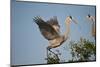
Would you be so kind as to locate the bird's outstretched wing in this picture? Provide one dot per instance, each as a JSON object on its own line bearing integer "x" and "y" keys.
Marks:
{"x": 46, "y": 29}
{"x": 53, "y": 21}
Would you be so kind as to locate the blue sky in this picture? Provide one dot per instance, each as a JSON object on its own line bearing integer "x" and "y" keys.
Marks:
{"x": 28, "y": 46}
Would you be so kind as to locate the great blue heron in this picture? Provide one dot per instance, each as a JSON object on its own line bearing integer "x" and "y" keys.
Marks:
{"x": 51, "y": 30}
{"x": 92, "y": 19}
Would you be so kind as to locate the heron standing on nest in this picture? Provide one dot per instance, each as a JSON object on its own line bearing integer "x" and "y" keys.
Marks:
{"x": 51, "y": 30}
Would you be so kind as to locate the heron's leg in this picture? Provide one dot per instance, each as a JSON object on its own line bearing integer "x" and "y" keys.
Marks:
{"x": 47, "y": 52}
{"x": 49, "y": 48}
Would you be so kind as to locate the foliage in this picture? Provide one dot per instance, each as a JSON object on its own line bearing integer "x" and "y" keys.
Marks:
{"x": 53, "y": 58}
{"x": 83, "y": 50}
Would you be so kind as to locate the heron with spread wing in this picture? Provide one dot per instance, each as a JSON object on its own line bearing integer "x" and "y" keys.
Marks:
{"x": 51, "y": 30}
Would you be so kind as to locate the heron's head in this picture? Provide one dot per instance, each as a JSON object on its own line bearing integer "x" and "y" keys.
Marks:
{"x": 71, "y": 19}
{"x": 88, "y": 16}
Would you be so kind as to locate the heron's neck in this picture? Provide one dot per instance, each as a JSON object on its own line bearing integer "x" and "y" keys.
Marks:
{"x": 92, "y": 18}
{"x": 66, "y": 34}
{"x": 93, "y": 30}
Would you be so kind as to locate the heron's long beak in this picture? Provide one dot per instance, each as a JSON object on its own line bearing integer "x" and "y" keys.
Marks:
{"x": 75, "y": 21}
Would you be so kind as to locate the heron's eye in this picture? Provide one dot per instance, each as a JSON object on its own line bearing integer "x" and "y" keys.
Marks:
{"x": 70, "y": 17}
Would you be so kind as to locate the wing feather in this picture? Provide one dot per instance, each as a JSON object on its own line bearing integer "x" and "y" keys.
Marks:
{"x": 46, "y": 29}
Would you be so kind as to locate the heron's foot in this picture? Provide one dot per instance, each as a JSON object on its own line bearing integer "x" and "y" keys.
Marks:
{"x": 48, "y": 48}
